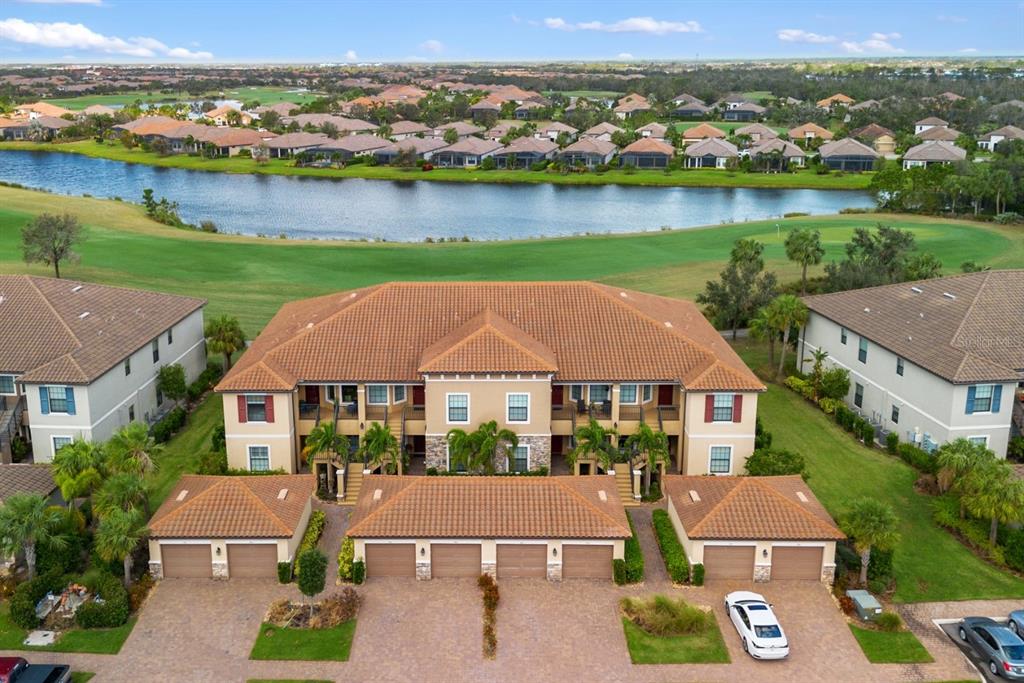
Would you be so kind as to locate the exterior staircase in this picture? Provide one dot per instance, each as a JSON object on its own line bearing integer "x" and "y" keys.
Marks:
{"x": 624, "y": 483}
{"x": 353, "y": 484}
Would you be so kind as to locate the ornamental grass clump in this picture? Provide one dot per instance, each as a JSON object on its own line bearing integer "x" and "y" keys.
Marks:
{"x": 659, "y": 615}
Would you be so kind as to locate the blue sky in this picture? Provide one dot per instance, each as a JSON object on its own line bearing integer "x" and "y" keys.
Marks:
{"x": 459, "y": 30}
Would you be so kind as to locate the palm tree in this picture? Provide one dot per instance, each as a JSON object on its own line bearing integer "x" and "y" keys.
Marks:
{"x": 593, "y": 441}
{"x": 78, "y": 469}
{"x": 786, "y": 311}
{"x": 224, "y": 335}
{"x": 871, "y": 524}
{"x": 119, "y": 533}
{"x": 123, "y": 491}
{"x": 132, "y": 449}
{"x": 479, "y": 450}
{"x": 957, "y": 460}
{"x": 380, "y": 448}
{"x": 763, "y": 328}
{"x": 324, "y": 439}
{"x": 817, "y": 370}
{"x": 27, "y": 522}
{"x": 803, "y": 245}
{"x": 996, "y": 494}
{"x": 654, "y": 445}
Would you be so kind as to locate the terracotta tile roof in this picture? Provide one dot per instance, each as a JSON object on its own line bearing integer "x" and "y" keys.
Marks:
{"x": 757, "y": 129}
{"x": 408, "y": 128}
{"x": 749, "y": 508}
{"x": 1007, "y": 132}
{"x": 931, "y": 121}
{"x": 233, "y": 507}
{"x": 473, "y": 145}
{"x": 838, "y": 97}
{"x": 381, "y": 333}
{"x": 488, "y": 507}
{"x": 703, "y": 130}
{"x": 485, "y": 343}
{"x": 649, "y": 146}
{"x": 73, "y": 332}
{"x": 601, "y": 129}
{"x": 656, "y": 129}
{"x": 972, "y": 337}
{"x": 845, "y": 147}
{"x": 528, "y": 146}
{"x": 420, "y": 145}
{"x": 590, "y": 145}
{"x": 788, "y": 149}
{"x": 297, "y": 140}
{"x": 150, "y": 125}
{"x": 355, "y": 143}
{"x": 461, "y": 129}
{"x": 44, "y": 108}
{"x": 871, "y": 132}
{"x": 812, "y": 128}
{"x": 36, "y": 479}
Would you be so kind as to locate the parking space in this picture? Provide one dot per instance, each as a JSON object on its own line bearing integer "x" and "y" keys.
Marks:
{"x": 952, "y": 629}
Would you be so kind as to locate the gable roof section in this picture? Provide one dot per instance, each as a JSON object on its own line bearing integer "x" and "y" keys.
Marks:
{"x": 24, "y": 478}
{"x": 383, "y": 333}
{"x": 703, "y": 130}
{"x": 590, "y": 145}
{"x": 649, "y": 146}
{"x": 488, "y": 507}
{"x": 72, "y": 332}
{"x": 711, "y": 147}
{"x": 749, "y": 508}
{"x": 846, "y": 147}
{"x": 233, "y": 507}
{"x": 935, "y": 150}
{"x": 485, "y": 343}
{"x": 973, "y": 337}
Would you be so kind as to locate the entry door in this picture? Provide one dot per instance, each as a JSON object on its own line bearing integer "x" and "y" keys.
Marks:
{"x": 312, "y": 394}
{"x": 557, "y": 395}
{"x": 664, "y": 394}
{"x": 418, "y": 395}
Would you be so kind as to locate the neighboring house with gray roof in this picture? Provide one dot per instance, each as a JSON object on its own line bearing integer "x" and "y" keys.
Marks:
{"x": 990, "y": 140}
{"x": 710, "y": 153}
{"x": 467, "y": 153}
{"x": 31, "y": 479}
{"x": 933, "y": 360}
{"x": 83, "y": 358}
{"x": 933, "y": 152}
{"x": 847, "y": 155}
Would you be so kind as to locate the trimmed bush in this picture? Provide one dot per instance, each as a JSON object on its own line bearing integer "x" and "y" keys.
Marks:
{"x": 835, "y": 384}
{"x": 1013, "y": 549}
{"x": 916, "y": 458}
{"x": 315, "y": 529}
{"x": 632, "y": 568}
{"x": 284, "y": 572}
{"x": 892, "y": 442}
{"x": 663, "y": 616}
{"x": 697, "y": 574}
{"x": 358, "y": 572}
{"x": 880, "y": 565}
{"x": 672, "y": 551}
{"x": 762, "y": 437}
{"x": 889, "y": 621}
{"x": 770, "y": 462}
{"x": 212, "y": 462}
{"x": 114, "y": 609}
{"x": 829, "y": 406}
{"x": 867, "y": 433}
{"x": 172, "y": 422}
{"x": 346, "y": 556}
{"x": 29, "y": 593}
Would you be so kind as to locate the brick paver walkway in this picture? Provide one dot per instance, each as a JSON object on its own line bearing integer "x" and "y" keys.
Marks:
{"x": 655, "y": 574}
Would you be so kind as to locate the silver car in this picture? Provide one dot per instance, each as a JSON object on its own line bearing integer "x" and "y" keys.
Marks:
{"x": 1017, "y": 622}
{"x": 1001, "y": 648}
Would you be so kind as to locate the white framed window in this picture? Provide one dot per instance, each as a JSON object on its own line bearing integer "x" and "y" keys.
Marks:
{"x": 862, "y": 350}
{"x": 58, "y": 397}
{"x": 520, "y": 459}
{"x": 259, "y": 458}
{"x": 983, "y": 398}
{"x": 458, "y": 408}
{"x": 576, "y": 392}
{"x": 722, "y": 411}
{"x": 127, "y": 366}
{"x": 720, "y": 460}
{"x": 60, "y": 442}
{"x": 899, "y": 367}
{"x": 599, "y": 393}
{"x": 255, "y": 408}
{"x": 979, "y": 440}
{"x": 377, "y": 394}
{"x": 399, "y": 393}
{"x": 156, "y": 350}
{"x": 648, "y": 392}
{"x": 7, "y": 384}
{"x": 518, "y": 407}
{"x": 331, "y": 393}
{"x": 170, "y": 336}
{"x": 842, "y": 335}
{"x": 627, "y": 393}
{"x": 858, "y": 395}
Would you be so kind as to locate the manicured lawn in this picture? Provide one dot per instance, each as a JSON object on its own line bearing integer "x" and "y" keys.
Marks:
{"x": 678, "y": 178}
{"x": 929, "y": 564}
{"x": 182, "y": 453}
{"x": 900, "y": 647}
{"x": 705, "y": 648}
{"x": 327, "y": 644}
{"x": 101, "y": 641}
{"x": 264, "y": 95}
{"x": 124, "y": 247}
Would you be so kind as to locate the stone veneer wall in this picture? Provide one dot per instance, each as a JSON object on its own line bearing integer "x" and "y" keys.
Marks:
{"x": 540, "y": 453}
{"x": 156, "y": 570}
{"x": 762, "y": 573}
{"x": 220, "y": 570}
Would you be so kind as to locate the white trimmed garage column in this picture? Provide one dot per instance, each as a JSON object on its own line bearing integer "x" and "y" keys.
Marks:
{"x": 423, "y": 572}
{"x": 554, "y": 560}
{"x": 489, "y": 557}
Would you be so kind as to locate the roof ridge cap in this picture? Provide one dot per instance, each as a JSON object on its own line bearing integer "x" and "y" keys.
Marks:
{"x": 389, "y": 503}
{"x": 575, "y": 492}
{"x": 963, "y": 321}
{"x": 57, "y": 315}
{"x": 189, "y": 503}
{"x": 259, "y": 501}
{"x": 737, "y": 483}
{"x": 789, "y": 502}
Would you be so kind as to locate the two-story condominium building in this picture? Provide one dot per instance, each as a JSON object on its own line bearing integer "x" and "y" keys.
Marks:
{"x": 934, "y": 360}
{"x": 538, "y": 358}
{"x": 81, "y": 360}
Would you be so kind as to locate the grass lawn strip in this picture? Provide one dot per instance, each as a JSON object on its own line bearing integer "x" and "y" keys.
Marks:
{"x": 100, "y": 641}
{"x": 705, "y": 648}
{"x": 306, "y": 644}
{"x": 897, "y": 647}
{"x": 182, "y": 453}
{"x": 842, "y": 470}
{"x": 81, "y": 676}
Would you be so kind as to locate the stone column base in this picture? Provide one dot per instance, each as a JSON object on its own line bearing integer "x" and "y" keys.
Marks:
{"x": 156, "y": 570}
{"x": 220, "y": 570}
{"x": 828, "y": 574}
{"x": 436, "y": 453}
{"x": 762, "y": 573}
{"x": 422, "y": 571}
{"x": 554, "y": 571}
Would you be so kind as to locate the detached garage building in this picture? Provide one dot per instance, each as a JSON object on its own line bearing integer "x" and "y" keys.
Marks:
{"x": 753, "y": 528}
{"x": 511, "y": 527}
{"x": 237, "y": 527}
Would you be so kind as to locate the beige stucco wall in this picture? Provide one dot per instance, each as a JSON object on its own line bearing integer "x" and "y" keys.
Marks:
{"x": 277, "y": 435}
{"x": 488, "y": 401}
{"x": 699, "y": 436}
{"x": 291, "y": 545}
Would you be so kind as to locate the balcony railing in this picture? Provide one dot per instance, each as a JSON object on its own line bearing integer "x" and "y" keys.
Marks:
{"x": 378, "y": 413}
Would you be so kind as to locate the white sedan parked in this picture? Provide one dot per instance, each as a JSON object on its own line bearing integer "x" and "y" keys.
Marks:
{"x": 755, "y": 621}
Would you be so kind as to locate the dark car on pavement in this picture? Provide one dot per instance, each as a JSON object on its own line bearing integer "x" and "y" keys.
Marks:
{"x": 18, "y": 670}
{"x": 1001, "y": 649}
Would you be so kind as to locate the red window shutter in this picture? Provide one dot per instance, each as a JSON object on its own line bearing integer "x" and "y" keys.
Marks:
{"x": 242, "y": 413}
{"x": 709, "y": 408}
{"x": 268, "y": 403}
{"x": 737, "y": 408}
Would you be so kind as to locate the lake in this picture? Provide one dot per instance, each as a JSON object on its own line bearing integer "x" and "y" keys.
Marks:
{"x": 356, "y": 208}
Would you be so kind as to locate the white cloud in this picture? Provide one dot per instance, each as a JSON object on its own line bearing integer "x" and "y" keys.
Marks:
{"x": 61, "y": 2}
{"x": 876, "y": 43}
{"x": 796, "y": 35}
{"x": 351, "y": 56}
{"x": 80, "y": 37}
{"x": 648, "y": 25}
{"x": 434, "y": 46}
{"x": 951, "y": 19}
{"x": 625, "y": 55}
{"x": 968, "y": 50}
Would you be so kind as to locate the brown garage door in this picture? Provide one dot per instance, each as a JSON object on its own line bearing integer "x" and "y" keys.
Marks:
{"x": 586, "y": 561}
{"x": 390, "y": 559}
{"x": 796, "y": 563}
{"x": 451, "y": 560}
{"x": 517, "y": 560}
{"x": 251, "y": 561}
{"x": 729, "y": 562}
{"x": 186, "y": 561}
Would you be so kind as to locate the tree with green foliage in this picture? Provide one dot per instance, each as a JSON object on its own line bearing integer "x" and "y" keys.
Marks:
{"x": 312, "y": 573}
{"x": 995, "y": 493}
{"x": 768, "y": 462}
{"x": 743, "y": 287}
{"x": 118, "y": 535}
{"x": 28, "y": 522}
{"x": 871, "y": 524}
{"x": 380, "y": 448}
{"x": 325, "y": 439}
{"x": 50, "y": 239}
{"x": 122, "y": 492}
{"x": 653, "y": 445}
{"x": 764, "y": 327}
{"x": 78, "y": 469}
{"x": 884, "y": 256}
{"x": 480, "y": 450}
{"x": 593, "y": 441}
{"x": 170, "y": 380}
{"x": 224, "y": 335}
{"x": 786, "y": 312}
{"x": 957, "y": 461}
{"x": 803, "y": 246}
{"x": 133, "y": 450}
{"x": 451, "y": 136}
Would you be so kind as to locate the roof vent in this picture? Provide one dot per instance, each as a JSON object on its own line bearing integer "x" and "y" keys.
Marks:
{"x": 603, "y": 496}
{"x": 282, "y": 494}
{"x": 1, "y": 298}
{"x": 82, "y": 316}
{"x": 801, "y": 496}
{"x": 377, "y": 493}
{"x": 949, "y": 296}
{"x": 916, "y": 290}
{"x": 668, "y": 324}
{"x": 76, "y": 288}
{"x": 623, "y": 295}
{"x": 181, "y": 496}
{"x": 309, "y": 326}
{"x": 867, "y": 310}
{"x": 694, "y": 496}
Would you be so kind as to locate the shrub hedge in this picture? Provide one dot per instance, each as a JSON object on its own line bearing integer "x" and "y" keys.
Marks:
{"x": 29, "y": 593}
{"x": 172, "y": 422}
{"x": 114, "y": 609}
{"x": 916, "y": 458}
{"x": 697, "y": 575}
{"x": 631, "y": 569}
{"x": 315, "y": 529}
{"x": 892, "y": 442}
{"x": 346, "y": 556}
{"x": 284, "y": 572}
{"x": 358, "y": 572}
{"x": 672, "y": 551}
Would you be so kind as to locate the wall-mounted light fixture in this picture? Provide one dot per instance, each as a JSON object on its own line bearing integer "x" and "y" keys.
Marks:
{"x": 554, "y": 552}
{"x": 764, "y": 553}
{"x": 423, "y": 552}
{"x": 218, "y": 551}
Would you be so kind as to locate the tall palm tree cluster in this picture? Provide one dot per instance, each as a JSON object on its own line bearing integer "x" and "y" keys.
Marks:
{"x": 482, "y": 449}
{"x": 986, "y": 485}
{"x": 594, "y": 442}
{"x": 111, "y": 476}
